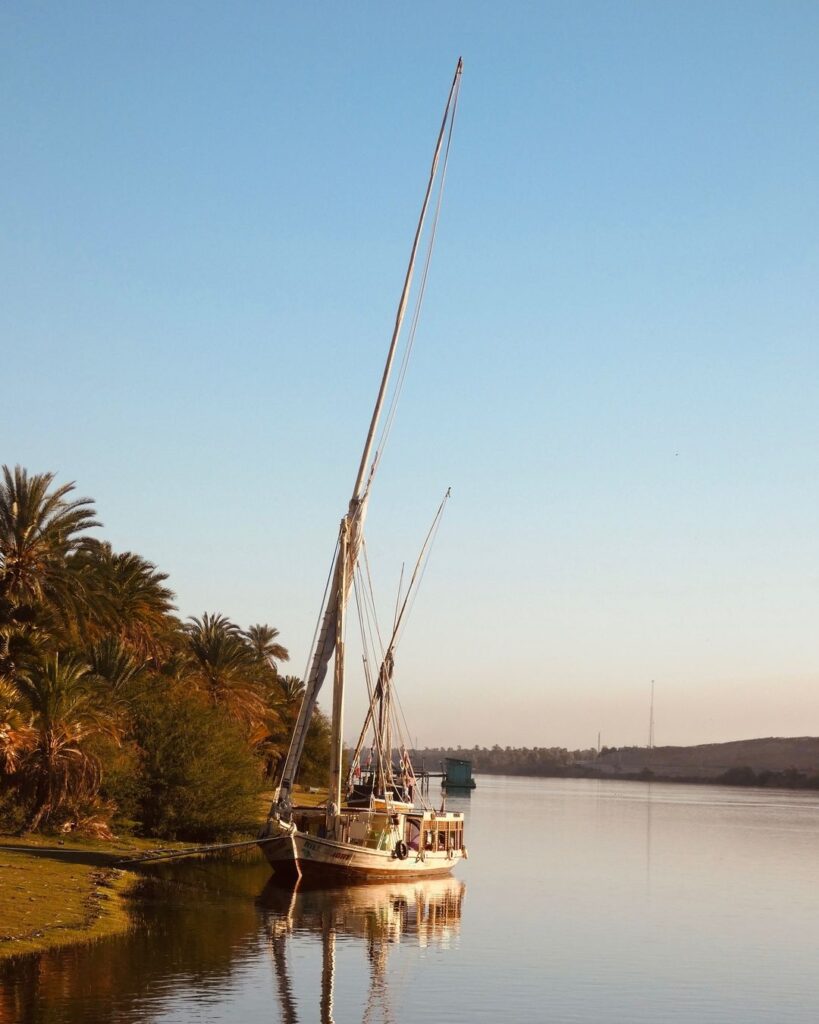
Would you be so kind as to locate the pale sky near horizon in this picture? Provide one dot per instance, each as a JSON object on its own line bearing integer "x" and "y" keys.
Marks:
{"x": 206, "y": 215}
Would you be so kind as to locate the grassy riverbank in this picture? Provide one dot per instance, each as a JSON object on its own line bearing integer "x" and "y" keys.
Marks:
{"x": 57, "y": 890}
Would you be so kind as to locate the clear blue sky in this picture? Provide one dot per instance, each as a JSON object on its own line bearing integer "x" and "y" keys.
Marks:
{"x": 206, "y": 210}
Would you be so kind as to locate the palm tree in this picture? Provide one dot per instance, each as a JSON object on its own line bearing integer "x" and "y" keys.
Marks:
{"x": 39, "y": 528}
{"x": 268, "y": 651}
{"x": 14, "y": 624}
{"x": 115, "y": 665}
{"x": 226, "y": 668}
{"x": 127, "y": 596}
{"x": 58, "y": 772}
{"x": 291, "y": 689}
{"x": 263, "y": 640}
{"x": 16, "y": 734}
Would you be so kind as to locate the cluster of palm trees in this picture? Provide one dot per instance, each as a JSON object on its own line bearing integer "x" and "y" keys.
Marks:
{"x": 89, "y": 643}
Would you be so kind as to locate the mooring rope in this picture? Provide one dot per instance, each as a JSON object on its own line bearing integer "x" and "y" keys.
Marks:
{"x": 152, "y": 857}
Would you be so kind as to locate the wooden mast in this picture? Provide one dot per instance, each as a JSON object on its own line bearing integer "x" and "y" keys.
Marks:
{"x": 337, "y": 732}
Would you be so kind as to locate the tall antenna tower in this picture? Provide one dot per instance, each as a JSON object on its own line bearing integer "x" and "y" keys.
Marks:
{"x": 651, "y": 720}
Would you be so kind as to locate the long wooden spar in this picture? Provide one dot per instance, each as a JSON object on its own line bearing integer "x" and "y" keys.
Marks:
{"x": 353, "y": 522}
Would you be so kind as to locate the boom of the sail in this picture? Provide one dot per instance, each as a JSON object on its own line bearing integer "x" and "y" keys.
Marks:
{"x": 353, "y": 522}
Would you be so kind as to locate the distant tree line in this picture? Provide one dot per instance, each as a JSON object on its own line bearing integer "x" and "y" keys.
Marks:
{"x": 497, "y": 760}
{"x": 789, "y": 778}
{"x": 559, "y": 762}
{"x": 112, "y": 708}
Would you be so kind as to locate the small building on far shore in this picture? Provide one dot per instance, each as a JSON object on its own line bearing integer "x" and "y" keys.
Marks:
{"x": 458, "y": 773}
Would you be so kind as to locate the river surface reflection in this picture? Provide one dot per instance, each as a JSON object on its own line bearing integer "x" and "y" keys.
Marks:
{"x": 581, "y": 901}
{"x": 425, "y": 913}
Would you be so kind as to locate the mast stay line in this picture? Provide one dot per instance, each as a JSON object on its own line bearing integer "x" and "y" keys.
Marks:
{"x": 385, "y": 671}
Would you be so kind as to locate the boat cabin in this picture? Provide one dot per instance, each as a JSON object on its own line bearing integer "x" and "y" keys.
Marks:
{"x": 377, "y": 829}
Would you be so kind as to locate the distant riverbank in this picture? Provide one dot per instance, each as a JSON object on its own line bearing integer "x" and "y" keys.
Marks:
{"x": 776, "y": 762}
{"x": 732, "y": 777}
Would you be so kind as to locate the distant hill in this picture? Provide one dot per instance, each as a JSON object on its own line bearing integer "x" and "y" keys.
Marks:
{"x": 708, "y": 760}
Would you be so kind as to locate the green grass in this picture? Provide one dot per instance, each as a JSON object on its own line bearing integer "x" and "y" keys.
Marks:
{"x": 55, "y": 890}
{"x": 304, "y": 798}
{"x": 46, "y": 903}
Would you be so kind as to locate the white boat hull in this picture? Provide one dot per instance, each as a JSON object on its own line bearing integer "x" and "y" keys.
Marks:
{"x": 310, "y": 857}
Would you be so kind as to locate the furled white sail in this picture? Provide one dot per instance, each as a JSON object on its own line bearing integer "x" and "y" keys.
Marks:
{"x": 325, "y": 642}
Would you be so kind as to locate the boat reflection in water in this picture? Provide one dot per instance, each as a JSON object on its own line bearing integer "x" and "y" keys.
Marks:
{"x": 426, "y": 912}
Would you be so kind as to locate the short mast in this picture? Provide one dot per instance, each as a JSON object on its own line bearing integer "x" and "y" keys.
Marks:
{"x": 381, "y": 693}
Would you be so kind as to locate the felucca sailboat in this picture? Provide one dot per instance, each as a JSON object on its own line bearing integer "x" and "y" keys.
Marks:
{"x": 376, "y": 824}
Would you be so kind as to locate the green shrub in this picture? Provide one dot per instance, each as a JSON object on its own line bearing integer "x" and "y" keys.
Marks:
{"x": 201, "y": 782}
{"x": 123, "y": 779}
{"x": 13, "y": 812}
{"x": 315, "y": 757}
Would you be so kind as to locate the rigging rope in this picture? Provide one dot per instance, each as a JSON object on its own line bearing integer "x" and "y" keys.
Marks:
{"x": 413, "y": 596}
{"x": 321, "y": 610}
{"x": 402, "y": 372}
{"x": 367, "y": 613}
{"x": 370, "y": 688}
{"x": 372, "y": 595}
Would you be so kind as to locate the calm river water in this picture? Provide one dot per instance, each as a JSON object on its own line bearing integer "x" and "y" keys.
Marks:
{"x": 582, "y": 901}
